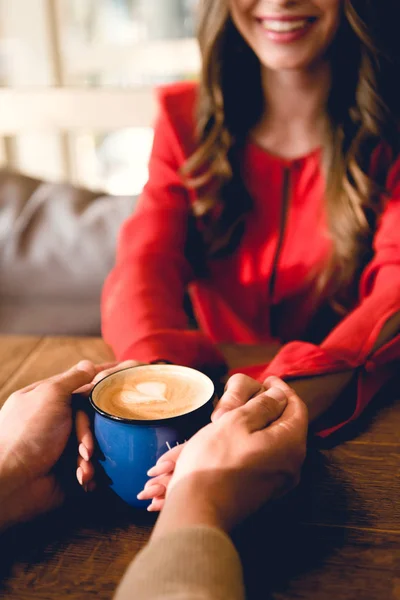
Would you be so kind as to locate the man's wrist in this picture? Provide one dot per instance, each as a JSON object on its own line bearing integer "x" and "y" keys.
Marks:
{"x": 187, "y": 505}
{"x": 6, "y": 501}
{"x": 9, "y": 486}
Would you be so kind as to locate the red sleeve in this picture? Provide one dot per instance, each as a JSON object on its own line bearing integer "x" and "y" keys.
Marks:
{"x": 349, "y": 345}
{"x": 142, "y": 305}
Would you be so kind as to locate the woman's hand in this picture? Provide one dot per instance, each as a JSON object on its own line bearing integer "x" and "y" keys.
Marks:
{"x": 238, "y": 391}
{"x": 85, "y": 469}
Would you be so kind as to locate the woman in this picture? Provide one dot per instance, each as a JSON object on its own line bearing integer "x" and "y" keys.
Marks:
{"x": 274, "y": 197}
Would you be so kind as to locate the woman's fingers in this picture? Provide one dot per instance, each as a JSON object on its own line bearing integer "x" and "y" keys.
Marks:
{"x": 166, "y": 462}
{"x": 162, "y": 468}
{"x": 153, "y": 491}
{"x": 157, "y": 505}
{"x": 161, "y": 479}
{"x": 155, "y": 488}
{"x": 84, "y": 435}
{"x": 84, "y": 472}
{"x": 239, "y": 389}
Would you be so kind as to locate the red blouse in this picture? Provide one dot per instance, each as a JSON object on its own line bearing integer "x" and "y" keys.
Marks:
{"x": 273, "y": 271}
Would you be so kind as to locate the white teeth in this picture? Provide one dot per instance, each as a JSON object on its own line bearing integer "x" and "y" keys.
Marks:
{"x": 284, "y": 26}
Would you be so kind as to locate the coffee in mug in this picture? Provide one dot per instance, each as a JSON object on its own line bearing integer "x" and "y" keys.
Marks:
{"x": 153, "y": 392}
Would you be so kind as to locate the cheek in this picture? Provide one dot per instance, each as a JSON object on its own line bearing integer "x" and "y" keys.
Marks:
{"x": 240, "y": 9}
{"x": 332, "y": 13}
{"x": 241, "y": 5}
{"x": 333, "y": 10}
{"x": 240, "y": 13}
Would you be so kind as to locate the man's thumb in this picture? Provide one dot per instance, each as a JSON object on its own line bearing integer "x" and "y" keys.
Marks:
{"x": 75, "y": 377}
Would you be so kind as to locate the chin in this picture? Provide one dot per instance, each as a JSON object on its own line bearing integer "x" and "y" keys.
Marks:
{"x": 286, "y": 65}
{"x": 292, "y": 62}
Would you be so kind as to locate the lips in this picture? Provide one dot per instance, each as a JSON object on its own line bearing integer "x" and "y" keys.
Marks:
{"x": 286, "y": 29}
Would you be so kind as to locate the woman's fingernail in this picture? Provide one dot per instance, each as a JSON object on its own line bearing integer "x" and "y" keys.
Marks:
{"x": 278, "y": 394}
{"x": 150, "y": 508}
{"x": 151, "y": 471}
{"x": 84, "y": 452}
{"x": 155, "y": 490}
{"x": 140, "y": 495}
{"x": 79, "y": 475}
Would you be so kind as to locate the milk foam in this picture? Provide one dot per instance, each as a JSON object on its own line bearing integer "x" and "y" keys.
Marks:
{"x": 152, "y": 392}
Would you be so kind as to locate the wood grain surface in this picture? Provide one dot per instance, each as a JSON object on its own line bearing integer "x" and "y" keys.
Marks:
{"x": 25, "y": 360}
{"x": 336, "y": 537}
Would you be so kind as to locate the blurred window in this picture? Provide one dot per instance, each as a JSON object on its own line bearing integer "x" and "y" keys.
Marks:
{"x": 91, "y": 49}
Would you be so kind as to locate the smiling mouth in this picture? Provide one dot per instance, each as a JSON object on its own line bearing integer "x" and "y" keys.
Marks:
{"x": 285, "y": 26}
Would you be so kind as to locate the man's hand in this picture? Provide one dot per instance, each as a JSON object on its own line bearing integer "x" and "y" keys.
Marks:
{"x": 238, "y": 390}
{"x": 237, "y": 463}
{"x": 280, "y": 434}
{"x": 35, "y": 425}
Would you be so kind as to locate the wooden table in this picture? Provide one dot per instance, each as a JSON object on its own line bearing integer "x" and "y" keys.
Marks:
{"x": 336, "y": 537}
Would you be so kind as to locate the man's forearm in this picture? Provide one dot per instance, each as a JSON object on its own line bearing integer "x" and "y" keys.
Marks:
{"x": 189, "y": 553}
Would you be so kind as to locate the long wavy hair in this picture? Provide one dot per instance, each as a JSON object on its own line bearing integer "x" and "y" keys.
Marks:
{"x": 363, "y": 110}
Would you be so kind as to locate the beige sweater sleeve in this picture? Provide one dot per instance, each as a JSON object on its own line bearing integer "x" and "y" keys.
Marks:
{"x": 195, "y": 563}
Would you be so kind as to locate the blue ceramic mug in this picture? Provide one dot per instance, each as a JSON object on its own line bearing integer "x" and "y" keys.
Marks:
{"x": 128, "y": 444}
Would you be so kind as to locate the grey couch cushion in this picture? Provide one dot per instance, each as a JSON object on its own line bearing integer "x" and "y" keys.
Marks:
{"x": 57, "y": 245}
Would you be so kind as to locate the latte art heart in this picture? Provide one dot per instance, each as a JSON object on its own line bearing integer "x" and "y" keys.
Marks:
{"x": 152, "y": 392}
{"x": 146, "y": 392}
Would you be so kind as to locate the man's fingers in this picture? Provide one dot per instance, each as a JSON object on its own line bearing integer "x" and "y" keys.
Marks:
{"x": 31, "y": 387}
{"x": 117, "y": 367}
{"x": 264, "y": 409}
{"x": 273, "y": 381}
{"x": 74, "y": 378}
{"x": 105, "y": 366}
{"x": 294, "y": 420}
{"x": 289, "y": 433}
{"x": 239, "y": 389}
{"x": 295, "y": 416}
{"x": 83, "y": 389}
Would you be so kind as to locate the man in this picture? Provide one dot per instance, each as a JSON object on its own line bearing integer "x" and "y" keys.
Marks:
{"x": 252, "y": 452}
